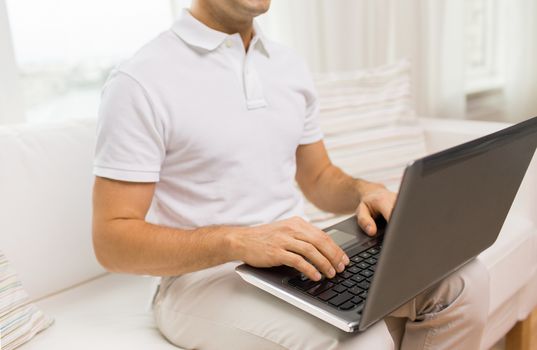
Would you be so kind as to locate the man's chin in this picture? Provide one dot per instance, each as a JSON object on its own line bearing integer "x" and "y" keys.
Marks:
{"x": 256, "y": 7}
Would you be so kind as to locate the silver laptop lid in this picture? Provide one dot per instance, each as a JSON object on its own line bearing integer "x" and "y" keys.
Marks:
{"x": 451, "y": 207}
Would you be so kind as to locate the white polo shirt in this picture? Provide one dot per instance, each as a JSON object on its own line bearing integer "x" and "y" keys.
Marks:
{"x": 216, "y": 128}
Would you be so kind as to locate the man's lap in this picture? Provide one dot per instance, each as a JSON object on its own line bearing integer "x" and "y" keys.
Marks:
{"x": 215, "y": 308}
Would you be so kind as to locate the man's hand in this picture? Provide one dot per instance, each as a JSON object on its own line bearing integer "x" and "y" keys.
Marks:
{"x": 375, "y": 200}
{"x": 292, "y": 242}
{"x": 332, "y": 190}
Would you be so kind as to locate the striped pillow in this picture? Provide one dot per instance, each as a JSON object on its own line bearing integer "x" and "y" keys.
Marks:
{"x": 20, "y": 320}
{"x": 370, "y": 127}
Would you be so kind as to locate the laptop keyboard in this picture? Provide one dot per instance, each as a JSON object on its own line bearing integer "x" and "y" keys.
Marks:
{"x": 348, "y": 289}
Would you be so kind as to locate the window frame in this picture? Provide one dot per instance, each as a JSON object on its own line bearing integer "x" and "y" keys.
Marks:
{"x": 491, "y": 76}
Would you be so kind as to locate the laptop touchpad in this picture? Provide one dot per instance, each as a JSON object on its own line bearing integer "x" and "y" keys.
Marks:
{"x": 345, "y": 239}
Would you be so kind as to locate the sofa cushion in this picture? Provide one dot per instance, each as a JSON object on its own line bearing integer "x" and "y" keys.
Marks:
{"x": 370, "y": 127}
{"x": 365, "y": 99}
{"x": 45, "y": 203}
{"x": 113, "y": 312}
{"x": 20, "y": 320}
{"x": 512, "y": 265}
{"x": 108, "y": 313}
{"x": 511, "y": 260}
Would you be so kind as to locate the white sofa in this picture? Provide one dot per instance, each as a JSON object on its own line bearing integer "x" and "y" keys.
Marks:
{"x": 45, "y": 224}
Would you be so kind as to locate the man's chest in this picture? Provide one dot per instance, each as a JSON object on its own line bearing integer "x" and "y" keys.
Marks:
{"x": 210, "y": 119}
{"x": 211, "y": 129}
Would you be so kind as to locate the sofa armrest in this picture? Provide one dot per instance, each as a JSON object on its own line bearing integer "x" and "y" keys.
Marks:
{"x": 444, "y": 133}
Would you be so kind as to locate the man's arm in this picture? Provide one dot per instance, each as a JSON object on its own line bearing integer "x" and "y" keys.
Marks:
{"x": 330, "y": 189}
{"x": 125, "y": 242}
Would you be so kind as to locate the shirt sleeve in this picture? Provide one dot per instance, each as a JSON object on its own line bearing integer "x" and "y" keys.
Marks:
{"x": 130, "y": 138}
{"x": 312, "y": 129}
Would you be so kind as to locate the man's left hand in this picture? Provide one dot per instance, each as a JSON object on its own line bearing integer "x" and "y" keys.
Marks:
{"x": 375, "y": 200}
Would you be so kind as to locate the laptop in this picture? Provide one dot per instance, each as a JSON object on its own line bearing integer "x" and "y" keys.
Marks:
{"x": 451, "y": 206}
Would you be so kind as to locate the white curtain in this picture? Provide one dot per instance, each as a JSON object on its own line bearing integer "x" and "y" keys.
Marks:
{"x": 354, "y": 34}
{"x": 521, "y": 59}
{"x": 11, "y": 104}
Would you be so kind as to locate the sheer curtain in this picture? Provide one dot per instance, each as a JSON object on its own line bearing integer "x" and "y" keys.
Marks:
{"x": 11, "y": 110}
{"x": 521, "y": 60}
{"x": 355, "y": 34}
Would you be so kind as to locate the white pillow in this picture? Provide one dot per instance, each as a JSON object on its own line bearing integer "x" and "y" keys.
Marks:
{"x": 20, "y": 320}
{"x": 370, "y": 126}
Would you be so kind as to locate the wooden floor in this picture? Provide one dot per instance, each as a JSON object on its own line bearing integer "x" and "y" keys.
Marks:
{"x": 523, "y": 336}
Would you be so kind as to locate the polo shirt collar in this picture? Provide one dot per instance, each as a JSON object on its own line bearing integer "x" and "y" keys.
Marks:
{"x": 196, "y": 33}
{"x": 260, "y": 39}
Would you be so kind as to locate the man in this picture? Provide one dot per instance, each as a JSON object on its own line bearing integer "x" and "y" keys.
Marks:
{"x": 201, "y": 137}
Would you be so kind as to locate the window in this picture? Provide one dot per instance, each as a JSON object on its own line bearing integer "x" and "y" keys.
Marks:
{"x": 483, "y": 45}
{"x": 65, "y": 49}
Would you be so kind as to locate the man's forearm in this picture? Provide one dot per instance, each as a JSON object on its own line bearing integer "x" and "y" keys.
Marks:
{"x": 135, "y": 246}
{"x": 337, "y": 192}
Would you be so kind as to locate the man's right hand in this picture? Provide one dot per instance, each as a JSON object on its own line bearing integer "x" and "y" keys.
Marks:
{"x": 293, "y": 242}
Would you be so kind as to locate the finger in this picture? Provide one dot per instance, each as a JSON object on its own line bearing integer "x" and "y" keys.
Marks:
{"x": 300, "y": 264}
{"x": 324, "y": 244}
{"x": 311, "y": 253}
{"x": 365, "y": 219}
{"x": 385, "y": 207}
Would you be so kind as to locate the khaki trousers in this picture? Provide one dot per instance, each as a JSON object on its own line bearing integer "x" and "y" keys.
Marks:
{"x": 216, "y": 309}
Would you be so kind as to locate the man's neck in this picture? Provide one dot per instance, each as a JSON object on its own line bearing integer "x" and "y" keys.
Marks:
{"x": 211, "y": 18}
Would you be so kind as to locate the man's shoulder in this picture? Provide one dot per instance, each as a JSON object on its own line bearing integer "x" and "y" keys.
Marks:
{"x": 287, "y": 59}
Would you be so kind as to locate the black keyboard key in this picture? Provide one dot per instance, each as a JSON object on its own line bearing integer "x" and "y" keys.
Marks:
{"x": 339, "y": 288}
{"x": 340, "y": 299}
{"x": 354, "y": 269}
{"x": 347, "y": 306}
{"x": 367, "y": 273}
{"x": 364, "y": 255}
{"x": 350, "y": 264}
{"x": 337, "y": 279}
{"x": 371, "y": 261}
{"x": 349, "y": 283}
{"x": 363, "y": 285}
{"x": 327, "y": 295}
{"x": 363, "y": 265}
{"x": 321, "y": 287}
{"x": 302, "y": 283}
{"x": 356, "y": 259}
{"x": 358, "y": 278}
{"x": 372, "y": 268}
{"x": 373, "y": 251}
{"x": 356, "y": 300}
{"x": 355, "y": 290}
{"x": 363, "y": 295}
{"x": 346, "y": 274}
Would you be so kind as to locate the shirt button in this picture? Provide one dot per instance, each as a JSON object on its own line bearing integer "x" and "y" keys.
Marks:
{"x": 229, "y": 43}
